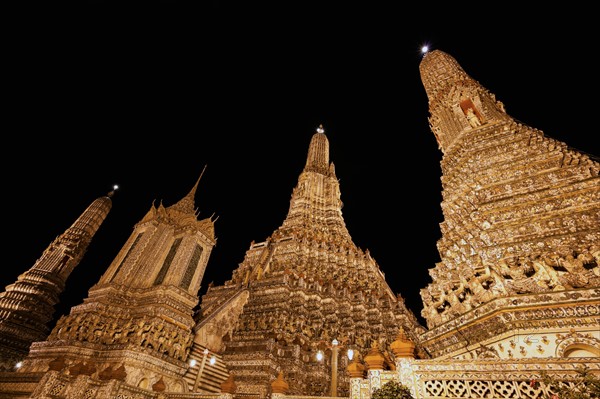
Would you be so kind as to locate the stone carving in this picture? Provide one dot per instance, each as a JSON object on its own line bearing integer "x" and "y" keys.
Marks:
{"x": 472, "y": 118}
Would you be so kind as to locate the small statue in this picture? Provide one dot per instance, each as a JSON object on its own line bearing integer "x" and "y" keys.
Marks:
{"x": 472, "y": 118}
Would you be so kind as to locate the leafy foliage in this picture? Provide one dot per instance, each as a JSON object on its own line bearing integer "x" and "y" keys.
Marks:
{"x": 392, "y": 390}
{"x": 586, "y": 386}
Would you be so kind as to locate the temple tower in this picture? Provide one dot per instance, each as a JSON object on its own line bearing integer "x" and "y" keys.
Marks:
{"x": 304, "y": 288}
{"x": 27, "y": 305}
{"x": 136, "y": 325}
{"x": 520, "y": 245}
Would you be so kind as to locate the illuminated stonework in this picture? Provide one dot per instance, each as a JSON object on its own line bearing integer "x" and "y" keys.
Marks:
{"x": 517, "y": 290}
{"x": 307, "y": 284}
{"x": 139, "y": 317}
{"x": 27, "y": 306}
{"x": 520, "y": 246}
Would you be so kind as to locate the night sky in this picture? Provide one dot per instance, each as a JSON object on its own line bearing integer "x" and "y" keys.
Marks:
{"x": 148, "y": 94}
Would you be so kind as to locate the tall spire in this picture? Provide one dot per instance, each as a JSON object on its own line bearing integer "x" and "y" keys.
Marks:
{"x": 300, "y": 289}
{"x": 520, "y": 208}
{"x": 139, "y": 315}
{"x": 316, "y": 205}
{"x": 27, "y": 306}
{"x": 457, "y": 102}
{"x": 318, "y": 152}
{"x": 188, "y": 204}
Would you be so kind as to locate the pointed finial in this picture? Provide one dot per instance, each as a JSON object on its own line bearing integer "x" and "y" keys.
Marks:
{"x": 403, "y": 346}
{"x": 320, "y": 129}
{"x": 112, "y": 192}
{"x": 279, "y": 385}
{"x": 187, "y": 204}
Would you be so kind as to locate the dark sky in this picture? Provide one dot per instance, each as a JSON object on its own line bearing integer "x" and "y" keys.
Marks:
{"x": 145, "y": 95}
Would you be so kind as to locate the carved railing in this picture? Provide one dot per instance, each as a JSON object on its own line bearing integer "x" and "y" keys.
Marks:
{"x": 474, "y": 379}
{"x": 55, "y": 385}
{"x": 427, "y": 379}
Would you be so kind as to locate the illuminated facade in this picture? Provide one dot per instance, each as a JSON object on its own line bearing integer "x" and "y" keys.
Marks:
{"x": 517, "y": 290}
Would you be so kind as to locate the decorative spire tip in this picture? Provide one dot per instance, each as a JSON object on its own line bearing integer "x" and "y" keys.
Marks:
{"x": 320, "y": 129}
{"x": 112, "y": 192}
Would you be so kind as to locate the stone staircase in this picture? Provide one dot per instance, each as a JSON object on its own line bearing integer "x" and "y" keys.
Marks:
{"x": 205, "y": 377}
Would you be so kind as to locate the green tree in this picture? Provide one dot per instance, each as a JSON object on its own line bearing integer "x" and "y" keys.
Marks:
{"x": 585, "y": 386}
{"x": 392, "y": 390}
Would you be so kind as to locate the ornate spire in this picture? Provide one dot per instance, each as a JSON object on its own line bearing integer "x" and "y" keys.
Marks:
{"x": 316, "y": 206}
{"x": 440, "y": 72}
{"x": 160, "y": 267}
{"x": 30, "y": 301}
{"x": 457, "y": 102}
{"x": 188, "y": 204}
{"x": 318, "y": 153}
{"x": 318, "y": 286}
{"x": 520, "y": 208}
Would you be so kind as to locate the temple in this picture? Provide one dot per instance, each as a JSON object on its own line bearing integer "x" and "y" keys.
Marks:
{"x": 308, "y": 313}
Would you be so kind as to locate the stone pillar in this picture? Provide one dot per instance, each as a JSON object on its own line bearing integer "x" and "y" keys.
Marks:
{"x": 356, "y": 370}
{"x": 374, "y": 361}
{"x": 404, "y": 352}
{"x": 199, "y": 375}
{"x": 334, "y": 368}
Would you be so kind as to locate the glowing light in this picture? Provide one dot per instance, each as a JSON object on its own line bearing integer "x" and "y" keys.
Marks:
{"x": 350, "y": 354}
{"x": 192, "y": 362}
{"x": 213, "y": 360}
{"x": 334, "y": 342}
{"x": 19, "y": 365}
{"x": 320, "y": 129}
{"x": 116, "y": 187}
{"x": 424, "y": 49}
{"x": 319, "y": 355}
{"x": 205, "y": 351}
